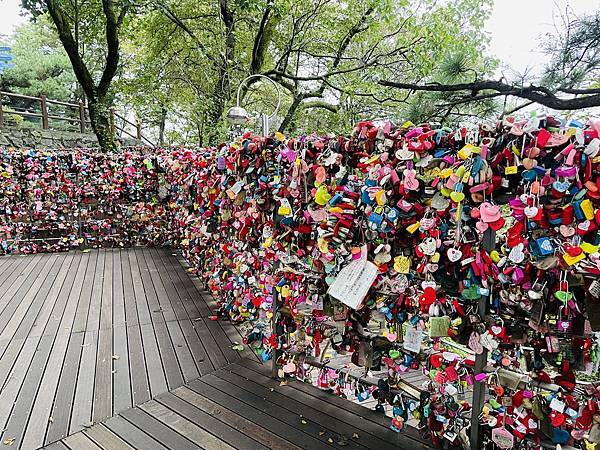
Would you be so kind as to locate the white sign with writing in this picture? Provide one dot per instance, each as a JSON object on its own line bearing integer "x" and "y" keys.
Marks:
{"x": 353, "y": 283}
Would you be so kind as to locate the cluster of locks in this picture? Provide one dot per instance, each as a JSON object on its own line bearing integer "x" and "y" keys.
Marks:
{"x": 405, "y": 248}
{"x": 55, "y": 201}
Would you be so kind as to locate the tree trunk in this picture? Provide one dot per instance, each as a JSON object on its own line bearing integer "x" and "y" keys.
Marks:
{"x": 100, "y": 118}
{"x": 161, "y": 127}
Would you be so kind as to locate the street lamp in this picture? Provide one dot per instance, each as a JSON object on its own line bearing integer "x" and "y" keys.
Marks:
{"x": 237, "y": 115}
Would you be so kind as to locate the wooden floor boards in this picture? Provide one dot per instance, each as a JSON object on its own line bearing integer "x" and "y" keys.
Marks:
{"x": 86, "y": 336}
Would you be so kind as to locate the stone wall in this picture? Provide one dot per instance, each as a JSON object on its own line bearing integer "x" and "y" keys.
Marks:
{"x": 49, "y": 139}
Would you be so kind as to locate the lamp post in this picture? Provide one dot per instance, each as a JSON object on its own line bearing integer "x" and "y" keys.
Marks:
{"x": 237, "y": 115}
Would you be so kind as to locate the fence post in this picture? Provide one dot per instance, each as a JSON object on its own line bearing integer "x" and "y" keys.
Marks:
{"x": 44, "y": 105}
{"x": 138, "y": 129}
{"x": 479, "y": 387}
{"x": 81, "y": 118}
{"x": 1, "y": 113}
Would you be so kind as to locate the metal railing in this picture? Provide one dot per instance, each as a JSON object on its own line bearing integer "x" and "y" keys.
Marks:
{"x": 76, "y": 114}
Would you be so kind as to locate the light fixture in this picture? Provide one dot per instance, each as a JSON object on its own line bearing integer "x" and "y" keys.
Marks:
{"x": 237, "y": 115}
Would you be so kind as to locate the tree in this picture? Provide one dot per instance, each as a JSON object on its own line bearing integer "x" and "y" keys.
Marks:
{"x": 41, "y": 66}
{"x": 68, "y": 17}
{"x": 325, "y": 56}
{"x": 569, "y": 81}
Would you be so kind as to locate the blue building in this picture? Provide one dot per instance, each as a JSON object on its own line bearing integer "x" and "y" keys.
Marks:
{"x": 5, "y": 58}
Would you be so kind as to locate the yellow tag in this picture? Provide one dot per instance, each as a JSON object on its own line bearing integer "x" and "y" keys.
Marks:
{"x": 511, "y": 170}
{"x": 587, "y": 208}
{"x": 570, "y": 260}
{"x": 279, "y": 136}
{"x": 372, "y": 159}
{"x": 267, "y": 242}
{"x": 407, "y": 124}
{"x": 435, "y": 258}
{"x": 402, "y": 264}
{"x": 445, "y": 173}
{"x": 589, "y": 248}
{"x": 570, "y": 132}
{"x": 467, "y": 151}
{"x": 413, "y": 227}
{"x": 516, "y": 150}
{"x": 284, "y": 210}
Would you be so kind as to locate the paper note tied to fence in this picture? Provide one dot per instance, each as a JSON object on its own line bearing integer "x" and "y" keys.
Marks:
{"x": 353, "y": 282}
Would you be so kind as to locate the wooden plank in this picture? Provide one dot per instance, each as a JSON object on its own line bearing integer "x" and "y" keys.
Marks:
{"x": 58, "y": 428}
{"x": 187, "y": 364}
{"x": 45, "y": 335}
{"x": 249, "y": 428}
{"x": 106, "y": 438}
{"x": 157, "y": 429}
{"x": 150, "y": 281}
{"x": 17, "y": 356}
{"x": 80, "y": 441}
{"x": 261, "y": 413}
{"x": 140, "y": 388}
{"x": 81, "y": 315}
{"x": 213, "y": 349}
{"x": 156, "y": 312}
{"x": 132, "y": 435}
{"x": 121, "y": 377}
{"x": 143, "y": 312}
{"x": 162, "y": 298}
{"x": 131, "y": 317}
{"x": 197, "y": 423}
{"x": 118, "y": 299}
{"x": 169, "y": 289}
{"x": 81, "y": 414}
{"x": 338, "y": 411}
{"x": 36, "y": 286}
{"x": 335, "y": 419}
{"x": 57, "y": 446}
{"x": 156, "y": 375}
{"x": 103, "y": 389}
{"x": 363, "y": 413}
{"x": 40, "y": 413}
{"x": 15, "y": 278}
{"x": 228, "y": 327}
{"x": 11, "y": 269}
{"x": 202, "y": 344}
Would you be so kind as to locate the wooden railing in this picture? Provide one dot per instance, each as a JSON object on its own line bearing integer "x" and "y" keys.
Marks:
{"x": 41, "y": 108}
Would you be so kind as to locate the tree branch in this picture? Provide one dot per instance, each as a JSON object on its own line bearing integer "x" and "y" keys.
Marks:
{"x": 538, "y": 94}
{"x": 113, "y": 26}
{"x": 64, "y": 33}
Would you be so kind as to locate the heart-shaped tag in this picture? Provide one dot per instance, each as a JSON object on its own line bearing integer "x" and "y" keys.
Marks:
{"x": 516, "y": 254}
{"x": 391, "y": 337}
{"x": 489, "y": 213}
{"x": 457, "y": 197}
{"x": 481, "y": 226}
{"x": 530, "y": 211}
{"x": 454, "y": 254}
{"x": 561, "y": 186}
{"x": 566, "y": 231}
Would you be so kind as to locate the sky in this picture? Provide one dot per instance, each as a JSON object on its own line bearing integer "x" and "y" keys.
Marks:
{"x": 515, "y": 27}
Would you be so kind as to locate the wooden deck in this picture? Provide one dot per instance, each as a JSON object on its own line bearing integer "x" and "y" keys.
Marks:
{"x": 114, "y": 349}
{"x": 240, "y": 407}
{"x": 85, "y": 336}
